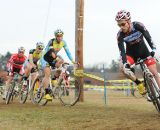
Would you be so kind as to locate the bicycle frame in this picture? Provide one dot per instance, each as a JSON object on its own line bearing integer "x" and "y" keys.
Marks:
{"x": 146, "y": 72}
{"x": 62, "y": 77}
{"x": 150, "y": 84}
{"x": 16, "y": 80}
{"x": 25, "y": 90}
{"x": 67, "y": 90}
{"x": 30, "y": 80}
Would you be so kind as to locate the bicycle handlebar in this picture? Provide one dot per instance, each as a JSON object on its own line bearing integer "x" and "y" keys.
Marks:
{"x": 64, "y": 64}
{"x": 15, "y": 64}
{"x": 140, "y": 61}
{"x": 17, "y": 73}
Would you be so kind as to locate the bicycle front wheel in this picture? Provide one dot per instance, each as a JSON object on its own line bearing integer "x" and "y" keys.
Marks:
{"x": 37, "y": 93}
{"x": 69, "y": 95}
{"x": 135, "y": 93}
{"x": 10, "y": 93}
{"x": 153, "y": 91}
{"x": 23, "y": 94}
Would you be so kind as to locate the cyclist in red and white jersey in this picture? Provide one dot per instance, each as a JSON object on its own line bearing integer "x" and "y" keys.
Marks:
{"x": 133, "y": 34}
{"x": 15, "y": 64}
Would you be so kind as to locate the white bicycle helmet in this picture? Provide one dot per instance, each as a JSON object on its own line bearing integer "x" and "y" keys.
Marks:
{"x": 123, "y": 15}
{"x": 21, "y": 49}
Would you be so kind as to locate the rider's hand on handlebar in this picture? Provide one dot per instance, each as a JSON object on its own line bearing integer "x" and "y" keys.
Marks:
{"x": 8, "y": 71}
{"x": 34, "y": 66}
{"x": 74, "y": 62}
{"x": 126, "y": 65}
{"x": 152, "y": 53}
{"x": 156, "y": 55}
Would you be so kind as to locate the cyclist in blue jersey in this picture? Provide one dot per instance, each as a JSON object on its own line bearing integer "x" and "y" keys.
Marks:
{"x": 50, "y": 58}
{"x": 133, "y": 34}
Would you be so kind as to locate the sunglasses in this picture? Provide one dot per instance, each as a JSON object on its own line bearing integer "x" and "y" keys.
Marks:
{"x": 122, "y": 24}
{"x": 60, "y": 35}
{"x": 40, "y": 48}
{"x": 21, "y": 52}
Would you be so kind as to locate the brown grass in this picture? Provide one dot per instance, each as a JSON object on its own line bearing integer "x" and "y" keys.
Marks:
{"x": 120, "y": 113}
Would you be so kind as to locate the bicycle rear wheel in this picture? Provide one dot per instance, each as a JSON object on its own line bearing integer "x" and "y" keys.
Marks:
{"x": 69, "y": 95}
{"x": 153, "y": 91}
{"x": 10, "y": 93}
{"x": 37, "y": 93}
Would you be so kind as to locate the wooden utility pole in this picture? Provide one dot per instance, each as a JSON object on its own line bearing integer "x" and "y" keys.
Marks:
{"x": 79, "y": 39}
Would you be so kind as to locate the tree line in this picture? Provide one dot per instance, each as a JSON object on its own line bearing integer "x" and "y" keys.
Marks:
{"x": 3, "y": 60}
{"x": 113, "y": 67}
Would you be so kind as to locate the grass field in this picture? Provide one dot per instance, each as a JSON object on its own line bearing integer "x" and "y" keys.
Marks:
{"x": 120, "y": 113}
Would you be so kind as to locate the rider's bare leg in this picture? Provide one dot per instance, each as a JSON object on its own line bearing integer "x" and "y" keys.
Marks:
{"x": 45, "y": 82}
{"x": 27, "y": 71}
{"x": 57, "y": 65}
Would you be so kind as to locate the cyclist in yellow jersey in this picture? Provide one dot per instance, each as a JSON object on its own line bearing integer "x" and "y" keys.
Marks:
{"x": 50, "y": 58}
{"x": 31, "y": 63}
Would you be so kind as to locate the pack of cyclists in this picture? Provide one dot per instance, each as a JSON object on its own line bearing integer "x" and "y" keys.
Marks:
{"x": 130, "y": 33}
{"x": 38, "y": 59}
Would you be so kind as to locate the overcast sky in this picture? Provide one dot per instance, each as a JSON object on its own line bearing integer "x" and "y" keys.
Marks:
{"x": 24, "y": 22}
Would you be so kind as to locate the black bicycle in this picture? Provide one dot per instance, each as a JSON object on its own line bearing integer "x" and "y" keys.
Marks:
{"x": 151, "y": 85}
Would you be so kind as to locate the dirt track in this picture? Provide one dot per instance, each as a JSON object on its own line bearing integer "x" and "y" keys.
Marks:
{"x": 121, "y": 113}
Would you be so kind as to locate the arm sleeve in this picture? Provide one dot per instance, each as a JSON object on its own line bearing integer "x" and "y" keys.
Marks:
{"x": 30, "y": 57}
{"x": 49, "y": 48}
{"x": 121, "y": 48}
{"x": 9, "y": 62}
{"x": 146, "y": 34}
{"x": 68, "y": 52}
{"x": 31, "y": 51}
